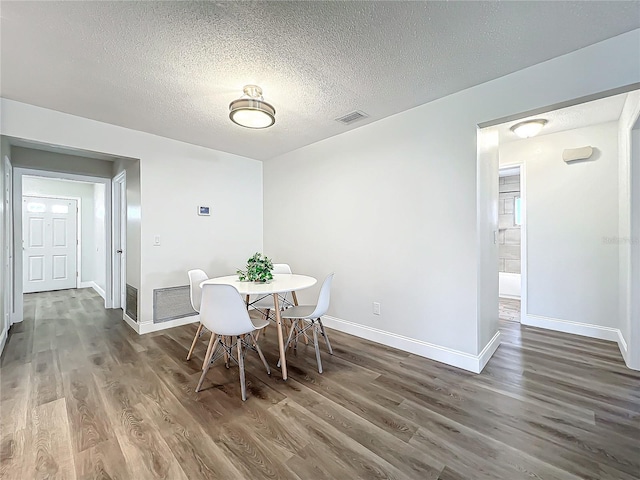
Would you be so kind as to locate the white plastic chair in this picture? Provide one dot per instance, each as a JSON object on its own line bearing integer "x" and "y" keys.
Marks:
{"x": 311, "y": 316}
{"x": 264, "y": 304}
{"x": 224, "y": 312}
{"x": 196, "y": 277}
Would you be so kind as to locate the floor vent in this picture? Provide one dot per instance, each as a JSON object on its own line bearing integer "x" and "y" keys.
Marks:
{"x": 171, "y": 303}
{"x": 352, "y": 117}
{"x": 132, "y": 303}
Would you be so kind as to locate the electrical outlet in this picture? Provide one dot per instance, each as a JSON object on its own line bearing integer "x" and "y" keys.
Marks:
{"x": 156, "y": 241}
{"x": 376, "y": 308}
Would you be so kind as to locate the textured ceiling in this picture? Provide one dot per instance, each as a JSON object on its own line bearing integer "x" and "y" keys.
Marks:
{"x": 171, "y": 68}
{"x": 577, "y": 116}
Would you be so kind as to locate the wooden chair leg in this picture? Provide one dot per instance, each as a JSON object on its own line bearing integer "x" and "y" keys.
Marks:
{"x": 227, "y": 342}
{"x": 243, "y": 387}
{"x": 195, "y": 340}
{"x": 315, "y": 343}
{"x": 264, "y": 360}
{"x": 209, "y": 349}
{"x": 326, "y": 337}
{"x": 207, "y": 361}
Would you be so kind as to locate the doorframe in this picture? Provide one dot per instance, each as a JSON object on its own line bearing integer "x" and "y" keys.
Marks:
{"x": 523, "y": 232}
{"x": 633, "y": 348}
{"x": 79, "y": 283}
{"x": 7, "y": 253}
{"x": 119, "y": 232}
{"x": 18, "y": 173}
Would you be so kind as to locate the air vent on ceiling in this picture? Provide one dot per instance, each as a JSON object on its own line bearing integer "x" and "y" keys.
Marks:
{"x": 352, "y": 117}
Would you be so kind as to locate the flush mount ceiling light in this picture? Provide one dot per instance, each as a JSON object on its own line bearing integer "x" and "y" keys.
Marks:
{"x": 529, "y": 128}
{"x": 251, "y": 111}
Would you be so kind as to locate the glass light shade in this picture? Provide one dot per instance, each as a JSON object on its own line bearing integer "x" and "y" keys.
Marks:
{"x": 529, "y": 128}
{"x": 252, "y": 113}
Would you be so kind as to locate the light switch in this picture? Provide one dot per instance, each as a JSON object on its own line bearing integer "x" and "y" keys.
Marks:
{"x": 156, "y": 241}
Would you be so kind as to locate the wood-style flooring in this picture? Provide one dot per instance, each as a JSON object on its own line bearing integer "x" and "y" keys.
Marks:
{"x": 83, "y": 396}
{"x": 509, "y": 309}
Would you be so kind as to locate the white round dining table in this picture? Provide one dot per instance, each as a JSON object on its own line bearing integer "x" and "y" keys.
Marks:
{"x": 281, "y": 283}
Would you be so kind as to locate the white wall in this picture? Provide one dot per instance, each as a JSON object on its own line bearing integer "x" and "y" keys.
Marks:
{"x": 132, "y": 169}
{"x": 572, "y": 225}
{"x": 59, "y": 162}
{"x": 392, "y": 207}
{"x": 634, "y": 319}
{"x": 5, "y": 150}
{"x": 487, "y": 248}
{"x": 175, "y": 178}
{"x": 628, "y": 117}
{"x": 51, "y": 187}
{"x": 100, "y": 237}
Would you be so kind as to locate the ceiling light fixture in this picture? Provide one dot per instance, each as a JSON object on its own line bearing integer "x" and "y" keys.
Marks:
{"x": 251, "y": 111}
{"x": 529, "y": 128}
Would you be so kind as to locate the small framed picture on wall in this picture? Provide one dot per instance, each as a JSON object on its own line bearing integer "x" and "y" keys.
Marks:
{"x": 204, "y": 211}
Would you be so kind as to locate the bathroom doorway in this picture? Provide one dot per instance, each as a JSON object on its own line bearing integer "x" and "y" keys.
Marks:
{"x": 509, "y": 242}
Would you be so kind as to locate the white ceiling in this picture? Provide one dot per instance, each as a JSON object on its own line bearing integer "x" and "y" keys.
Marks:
{"x": 171, "y": 68}
{"x": 577, "y": 116}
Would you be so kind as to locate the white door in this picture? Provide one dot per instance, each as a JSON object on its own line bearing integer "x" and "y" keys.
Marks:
{"x": 49, "y": 232}
{"x": 119, "y": 199}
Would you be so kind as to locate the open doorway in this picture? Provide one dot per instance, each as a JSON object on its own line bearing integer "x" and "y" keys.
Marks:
{"x": 63, "y": 234}
{"x": 510, "y": 256}
{"x": 572, "y": 198}
{"x": 54, "y": 177}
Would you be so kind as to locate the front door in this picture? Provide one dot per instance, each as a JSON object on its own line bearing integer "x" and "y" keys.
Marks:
{"x": 50, "y": 243}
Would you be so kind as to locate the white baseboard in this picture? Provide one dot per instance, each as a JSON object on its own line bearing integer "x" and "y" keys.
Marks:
{"x": 577, "y": 328}
{"x": 3, "y": 340}
{"x": 131, "y": 322}
{"x": 455, "y": 358}
{"x": 622, "y": 344}
{"x": 85, "y": 284}
{"x": 98, "y": 289}
{"x": 488, "y": 351}
{"x": 567, "y": 326}
{"x": 154, "y": 327}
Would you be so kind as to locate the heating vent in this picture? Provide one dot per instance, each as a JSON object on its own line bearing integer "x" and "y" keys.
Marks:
{"x": 132, "y": 303}
{"x": 171, "y": 303}
{"x": 349, "y": 118}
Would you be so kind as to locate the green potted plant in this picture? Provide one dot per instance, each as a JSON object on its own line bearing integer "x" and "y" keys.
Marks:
{"x": 259, "y": 269}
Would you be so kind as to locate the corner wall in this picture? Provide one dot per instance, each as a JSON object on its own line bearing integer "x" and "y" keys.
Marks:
{"x": 627, "y": 241}
{"x": 392, "y": 207}
{"x": 5, "y": 150}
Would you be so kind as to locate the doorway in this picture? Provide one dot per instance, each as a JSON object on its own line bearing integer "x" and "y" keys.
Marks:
{"x": 93, "y": 231}
{"x": 510, "y": 236}
{"x": 50, "y": 243}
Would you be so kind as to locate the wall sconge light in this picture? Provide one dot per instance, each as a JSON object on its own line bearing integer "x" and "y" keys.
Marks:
{"x": 528, "y": 128}
{"x": 251, "y": 111}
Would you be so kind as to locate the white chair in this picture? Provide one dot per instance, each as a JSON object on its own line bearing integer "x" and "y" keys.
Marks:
{"x": 264, "y": 304}
{"x": 224, "y": 312}
{"x": 311, "y": 316}
{"x": 196, "y": 277}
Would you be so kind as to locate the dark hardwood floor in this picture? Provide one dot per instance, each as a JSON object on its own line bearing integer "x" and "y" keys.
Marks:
{"x": 83, "y": 396}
